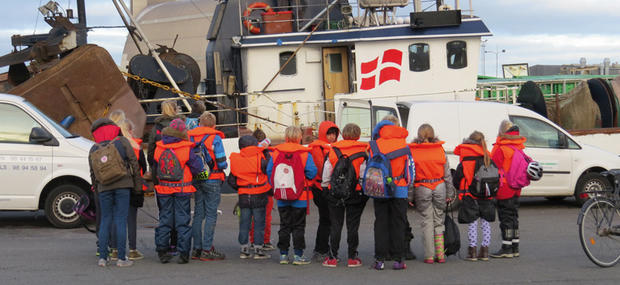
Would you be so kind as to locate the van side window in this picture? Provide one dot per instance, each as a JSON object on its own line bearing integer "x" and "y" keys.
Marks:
{"x": 380, "y": 112}
{"x": 291, "y": 67}
{"x": 540, "y": 134}
{"x": 17, "y": 124}
{"x": 359, "y": 116}
{"x": 419, "y": 57}
{"x": 457, "y": 54}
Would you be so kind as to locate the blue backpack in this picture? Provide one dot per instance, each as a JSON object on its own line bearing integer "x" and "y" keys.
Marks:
{"x": 201, "y": 151}
{"x": 191, "y": 123}
{"x": 378, "y": 179}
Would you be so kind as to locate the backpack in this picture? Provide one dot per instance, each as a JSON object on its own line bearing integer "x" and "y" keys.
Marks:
{"x": 200, "y": 151}
{"x": 378, "y": 181}
{"x": 451, "y": 235}
{"x": 344, "y": 178}
{"x": 107, "y": 162}
{"x": 517, "y": 177}
{"x": 191, "y": 123}
{"x": 486, "y": 180}
{"x": 86, "y": 211}
{"x": 288, "y": 176}
{"x": 169, "y": 167}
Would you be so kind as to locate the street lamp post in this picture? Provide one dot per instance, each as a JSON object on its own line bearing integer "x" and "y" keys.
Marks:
{"x": 496, "y": 52}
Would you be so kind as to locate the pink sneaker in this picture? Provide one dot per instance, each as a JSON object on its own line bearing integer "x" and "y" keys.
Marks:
{"x": 330, "y": 262}
{"x": 354, "y": 262}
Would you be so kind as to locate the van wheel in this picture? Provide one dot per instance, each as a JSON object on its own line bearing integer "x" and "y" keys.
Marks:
{"x": 59, "y": 206}
{"x": 590, "y": 182}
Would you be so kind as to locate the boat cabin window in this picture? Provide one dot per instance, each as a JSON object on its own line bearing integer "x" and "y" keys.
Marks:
{"x": 419, "y": 57}
{"x": 457, "y": 54}
{"x": 540, "y": 134}
{"x": 291, "y": 67}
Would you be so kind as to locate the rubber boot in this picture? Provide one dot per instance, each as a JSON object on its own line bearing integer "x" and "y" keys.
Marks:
{"x": 515, "y": 243}
{"x": 471, "y": 253}
{"x": 440, "y": 256}
{"x": 483, "y": 254}
{"x": 506, "y": 250}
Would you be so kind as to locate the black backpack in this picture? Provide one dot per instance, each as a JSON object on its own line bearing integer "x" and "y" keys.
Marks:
{"x": 169, "y": 167}
{"x": 485, "y": 182}
{"x": 452, "y": 235}
{"x": 344, "y": 179}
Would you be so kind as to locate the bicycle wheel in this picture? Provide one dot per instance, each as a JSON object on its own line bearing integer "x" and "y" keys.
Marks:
{"x": 598, "y": 223}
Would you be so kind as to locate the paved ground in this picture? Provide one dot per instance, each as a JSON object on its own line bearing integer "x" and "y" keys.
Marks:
{"x": 33, "y": 252}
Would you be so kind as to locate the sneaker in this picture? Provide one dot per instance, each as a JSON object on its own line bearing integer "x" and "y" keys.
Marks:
{"x": 399, "y": 265}
{"x": 245, "y": 252}
{"x": 164, "y": 256}
{"x": 134, "y": 254}
{"x": 212, "y": 254}
{"x": 124, "y": 263}
{"x": 183, "y": 258}
{"x": 319, "y": 257}
{"x": 379, "y": 265}
{"x": 354, "y": 262}
{"x": 301, "y": 260}
{"x": 429, "y": 260}
{"x": 113, "y": 254}
{"x": 330, "y": 262}
{"x": 259, "y": 253}
{"x": 196, "y": 252}
{"x": 284, "y": 259}
{"x": 268, "y": 247}
{"x": 102, "y": 262}
{"x": 173, "y": 250}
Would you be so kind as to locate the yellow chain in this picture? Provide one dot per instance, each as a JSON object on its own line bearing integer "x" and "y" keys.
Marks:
{"x": 161, "y": 86}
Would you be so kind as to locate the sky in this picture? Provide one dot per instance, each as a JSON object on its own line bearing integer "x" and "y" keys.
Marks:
{"x": 529, "y": 31}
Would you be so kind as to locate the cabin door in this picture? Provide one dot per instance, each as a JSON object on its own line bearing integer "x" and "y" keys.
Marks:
{"x": 335, "y": 77}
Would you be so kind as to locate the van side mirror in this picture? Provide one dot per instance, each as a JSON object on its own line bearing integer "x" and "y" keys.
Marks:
{"x": 41, "y": 136}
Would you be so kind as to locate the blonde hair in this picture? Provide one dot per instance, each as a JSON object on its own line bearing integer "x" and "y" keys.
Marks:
{"x": 503, "y": 127}
{"x": 292, "y": 134}
{"x": 392, "y": 119}
{"x": 478, "y": 137}
{"x": 351, "y": 132}
{"x": 426, "y": 133}
{"x": 207, "y": 119}
{"x": 118, "y": 117}
{"x": 169, "y": 108}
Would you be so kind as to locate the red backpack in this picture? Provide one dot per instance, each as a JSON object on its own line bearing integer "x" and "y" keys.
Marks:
{"x": 287, "y": 177}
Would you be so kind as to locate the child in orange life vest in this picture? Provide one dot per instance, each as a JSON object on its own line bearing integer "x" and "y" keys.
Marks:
{"x": 507, "y": 198}
{"x": 174, "y": 158}
{"x": 354, "y": 205}
{"x": 433, "y": 189}
{"x": 264, "y": 142}
{"x": 328, "y": 134}
{"x": 247, "y": 175}
{"x": 292, "y": 212}
{"x": 474, "y": 209}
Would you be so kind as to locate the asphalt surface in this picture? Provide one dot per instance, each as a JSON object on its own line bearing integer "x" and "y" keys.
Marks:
{"x": 33, "y": 252}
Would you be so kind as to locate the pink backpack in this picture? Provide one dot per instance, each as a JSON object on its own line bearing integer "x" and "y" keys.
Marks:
{"x": 516, "y": 177}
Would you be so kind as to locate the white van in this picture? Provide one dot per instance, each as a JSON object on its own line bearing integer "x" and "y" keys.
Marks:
{"x": 42, "y": 165}
{"x": 570, "y": 168}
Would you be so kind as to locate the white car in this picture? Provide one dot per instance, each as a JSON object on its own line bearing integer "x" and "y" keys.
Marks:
{"x": 570, "y": 168}
{"x": 42, "y": 165}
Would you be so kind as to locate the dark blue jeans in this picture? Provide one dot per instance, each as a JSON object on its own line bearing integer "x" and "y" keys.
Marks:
{"x": 245, "y": 222}
{"x": 113, "y": 205}
{"x": 207, "y": 199}
{"x": 174, "y": 212}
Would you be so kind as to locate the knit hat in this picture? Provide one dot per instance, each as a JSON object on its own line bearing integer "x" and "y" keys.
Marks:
{"x": 176, "y": 128}
{"x": 246, "y": 141}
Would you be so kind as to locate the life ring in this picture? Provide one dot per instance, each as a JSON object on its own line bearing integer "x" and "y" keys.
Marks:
{"x": 254, "y": 6}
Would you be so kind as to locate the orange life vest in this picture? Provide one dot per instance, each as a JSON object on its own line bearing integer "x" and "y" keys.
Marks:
{"x": 392, "y": 138}
{"x": 503, "y": 145}
{"x": 430, "y": 159}
{"x": 348, "y": 148}
{"x": 246, "y": 166}
{"x": 137, "y": 151}
{"x": 293, "y": 147}
{"x": 199, "y": 132}
{"x": 181, "y": 150}
{"x": 468, "y": 150}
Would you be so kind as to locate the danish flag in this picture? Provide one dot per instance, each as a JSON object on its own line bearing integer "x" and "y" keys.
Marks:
{"x": 391, "y": 62}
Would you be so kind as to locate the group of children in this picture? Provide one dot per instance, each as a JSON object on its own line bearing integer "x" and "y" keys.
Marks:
{"x": 335, "y": 175}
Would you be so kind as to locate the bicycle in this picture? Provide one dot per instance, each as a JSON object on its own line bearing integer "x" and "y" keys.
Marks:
{"x": 599, "y": 223}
